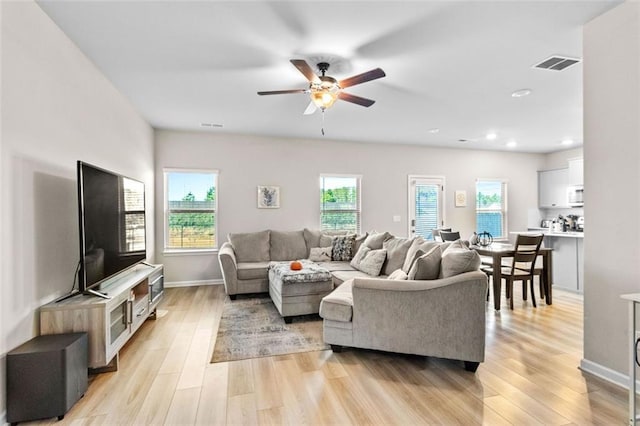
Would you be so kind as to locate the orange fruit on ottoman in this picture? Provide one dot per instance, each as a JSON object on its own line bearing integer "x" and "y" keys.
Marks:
{"x": 296, "y": 266}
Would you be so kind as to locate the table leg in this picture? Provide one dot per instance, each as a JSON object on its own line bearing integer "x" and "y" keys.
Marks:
{"x": 497, "y": 280}
{"x": 547, "y": 270}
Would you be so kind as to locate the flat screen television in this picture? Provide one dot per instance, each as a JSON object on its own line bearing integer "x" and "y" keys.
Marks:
{"x": 112, "y": 225}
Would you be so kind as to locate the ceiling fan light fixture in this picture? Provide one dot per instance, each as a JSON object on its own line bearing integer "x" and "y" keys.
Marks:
{"x": 325, "y": 93}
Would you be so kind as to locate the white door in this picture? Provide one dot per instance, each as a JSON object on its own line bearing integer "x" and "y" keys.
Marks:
{"x": 425, "y": 205}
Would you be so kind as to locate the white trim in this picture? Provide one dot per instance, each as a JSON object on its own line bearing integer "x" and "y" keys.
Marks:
{"x": 3, "y": 417}
{"x": 170, "y": 284}
{"x": 605, "y": 373}
{"x": 189, "y": 252}
{"x": 216, "y": 176}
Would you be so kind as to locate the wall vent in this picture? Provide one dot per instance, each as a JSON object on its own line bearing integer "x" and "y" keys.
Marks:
{"x": 557, "y": 63}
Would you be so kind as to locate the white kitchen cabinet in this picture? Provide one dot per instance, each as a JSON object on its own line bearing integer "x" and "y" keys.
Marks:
{"x": 576, "y": 171}
{"x": 568, "y": 261}
{"x": 552, "y": 188}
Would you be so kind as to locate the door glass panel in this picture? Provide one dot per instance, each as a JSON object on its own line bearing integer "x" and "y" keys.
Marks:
{"x": 425, "y": 206}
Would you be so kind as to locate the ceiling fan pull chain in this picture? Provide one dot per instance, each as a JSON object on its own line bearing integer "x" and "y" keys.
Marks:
{"x": 322, "y": 128}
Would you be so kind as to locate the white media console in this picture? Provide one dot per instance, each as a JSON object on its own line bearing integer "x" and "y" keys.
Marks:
{"x": 133, "y": 297}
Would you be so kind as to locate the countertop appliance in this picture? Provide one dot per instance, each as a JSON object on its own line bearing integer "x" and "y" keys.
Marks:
{"x": 575, "y": 195}
{"x": 546, "y": 223}
{"x": 580, "y": 223}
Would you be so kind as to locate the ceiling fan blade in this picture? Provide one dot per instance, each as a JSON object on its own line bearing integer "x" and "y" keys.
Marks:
{"x": 311, "y": 108}
{"x": 282, "y": 92}
{"x": 362, "y": 78}
{"x": 306, "y": 70}
{"x": 356, "y": 99}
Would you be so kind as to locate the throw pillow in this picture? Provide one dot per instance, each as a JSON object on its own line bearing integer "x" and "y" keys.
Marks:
{"x": 342, "y": 247}
{"x": 359, "y": 240}
{"x": 458, "y": 259}
{"x": 320, "y": 254}
{"x": 360, "y": 254}
{"x": 418, "y": 244}
{"x": 397, "y": 249}
{"x": 375, "y": 240}
{"x": 427, "y": 266}
{"x": 398, "y": 274}
{"x": 372, "y": 261}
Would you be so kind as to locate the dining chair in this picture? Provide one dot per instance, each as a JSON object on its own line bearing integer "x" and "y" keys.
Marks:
{"x": 435, "y": 233}
{"x": 522, "y": 267}
{"x": 449, "y": 235}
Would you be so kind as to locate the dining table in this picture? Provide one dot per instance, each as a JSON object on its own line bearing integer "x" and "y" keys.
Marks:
{"x": 499, "y": 251}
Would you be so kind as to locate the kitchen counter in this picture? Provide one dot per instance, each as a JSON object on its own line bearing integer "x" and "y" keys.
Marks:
{"x": 546, "y": 233}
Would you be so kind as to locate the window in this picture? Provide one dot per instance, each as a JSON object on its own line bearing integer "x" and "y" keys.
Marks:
{"x": 133, "y": 214}
{"x": 190, "y": 209}
{"x": 340, "y": 203}
{"x": 491, "y": 207}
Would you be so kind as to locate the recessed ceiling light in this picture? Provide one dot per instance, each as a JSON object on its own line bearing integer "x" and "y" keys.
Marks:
{"x": 491, "y": 136}
{"x": 210, "y": 125}
{"x": 463, "y": 140}
{"x": 512, "y": 144}
{"x": 520, "y": 93}
{"x": 434, "y": 130}
{"x": 567, "y": 142}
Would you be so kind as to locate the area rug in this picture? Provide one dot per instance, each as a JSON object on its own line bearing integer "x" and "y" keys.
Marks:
{"x": 251, "y": 327}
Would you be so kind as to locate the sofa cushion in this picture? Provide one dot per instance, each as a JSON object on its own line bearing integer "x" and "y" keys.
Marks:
{"x": 369, "y": 261}
{"x": 458, "y": 259}
{"x": 320, "y": 254}
{"x": 315, "y": 239}
{"x": 397, "y": 249}
{"x": 251, "y": 246}
{"x": 342, "y": 247}
{"x": 337, "y": 266}
{"x": 427, "y": 266}
{"x": 359, "y": 241}
{"x": 375, "y": 240}
{"x": 253, "y": 270}
{"x": 418, "y": 243}
{"x": 338, "y": 305}
{"x": 398, "y": 274}
{"x": 342, "y": 276}
{"x": 287, "y": 245}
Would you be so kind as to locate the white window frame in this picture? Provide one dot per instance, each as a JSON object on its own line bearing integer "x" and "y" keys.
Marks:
{"x": 503, "y": 208}
{"x": 216, "y": 175}
{"x": 358, "y": 196}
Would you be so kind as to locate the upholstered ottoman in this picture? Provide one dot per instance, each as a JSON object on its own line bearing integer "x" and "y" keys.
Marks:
{"x": 298, "y": 292}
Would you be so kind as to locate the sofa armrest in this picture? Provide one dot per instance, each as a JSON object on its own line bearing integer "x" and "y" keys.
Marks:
{"x": 229, "y": 268}
{"x": 443, "y": 318}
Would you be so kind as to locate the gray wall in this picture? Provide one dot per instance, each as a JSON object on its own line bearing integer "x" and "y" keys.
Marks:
{"x": 295, "y": 165}
{"x": 56, "y": 108}
{"x": 612, "y": 174}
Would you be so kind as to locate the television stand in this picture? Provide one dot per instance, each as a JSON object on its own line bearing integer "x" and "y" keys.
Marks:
{"x": 110, "y": 317}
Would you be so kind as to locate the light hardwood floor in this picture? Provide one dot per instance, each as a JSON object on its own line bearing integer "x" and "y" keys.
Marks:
{"x": 530, "y": 376}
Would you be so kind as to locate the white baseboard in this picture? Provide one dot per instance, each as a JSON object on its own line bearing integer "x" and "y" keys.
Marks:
{"x": 169, "y": 284}
{"x": 605, "y": 373}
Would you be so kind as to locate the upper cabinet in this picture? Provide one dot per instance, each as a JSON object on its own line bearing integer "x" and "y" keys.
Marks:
{"x": 552, "y": 188}
{"x": 576, "y": 171}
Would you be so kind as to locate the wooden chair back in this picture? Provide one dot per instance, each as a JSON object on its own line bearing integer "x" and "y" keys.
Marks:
{"x": 526, "y": 252}
{"x": 449, "y": 236}
{"x": 435, "y": 233}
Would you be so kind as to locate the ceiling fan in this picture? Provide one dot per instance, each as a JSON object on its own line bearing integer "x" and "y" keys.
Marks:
{"x": 325, "y": 90}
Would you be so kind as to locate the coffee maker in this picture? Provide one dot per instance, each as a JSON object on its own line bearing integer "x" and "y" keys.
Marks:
{"x": 572, "y": 222}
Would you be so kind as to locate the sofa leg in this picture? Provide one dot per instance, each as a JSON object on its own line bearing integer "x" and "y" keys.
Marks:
{"x": 336, "y": 348}
{"x": 288, "y": 320}
{"x": 233, "y": 296}
{"x": 471, "y": 366}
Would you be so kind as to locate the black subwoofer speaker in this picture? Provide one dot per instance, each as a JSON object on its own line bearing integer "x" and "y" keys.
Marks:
{"x": 46, "y": 376}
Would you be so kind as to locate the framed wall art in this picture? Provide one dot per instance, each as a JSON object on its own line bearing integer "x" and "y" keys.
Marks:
{"x": 268, "y": 197}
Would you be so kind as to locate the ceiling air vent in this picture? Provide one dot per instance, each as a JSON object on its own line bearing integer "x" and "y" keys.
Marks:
{"x": 557, "y": 63}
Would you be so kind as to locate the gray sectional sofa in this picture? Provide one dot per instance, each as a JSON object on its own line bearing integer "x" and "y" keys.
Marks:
{"x": 393, "y": 294}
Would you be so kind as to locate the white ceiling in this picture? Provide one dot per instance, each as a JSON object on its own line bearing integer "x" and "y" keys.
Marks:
{"x": 449, "y": 65}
